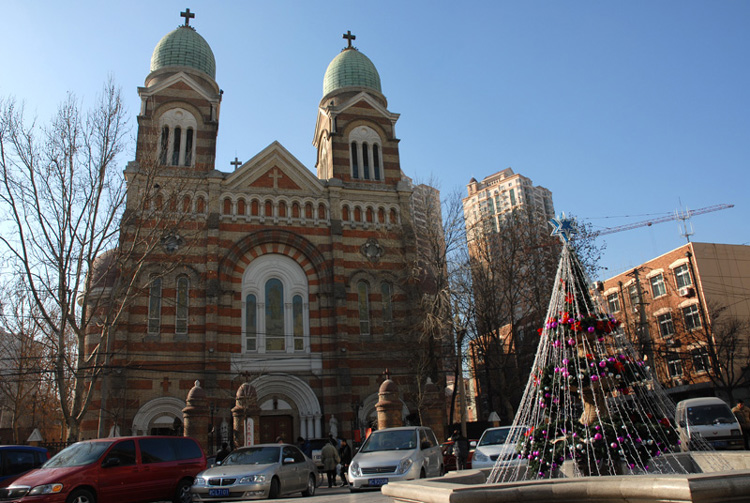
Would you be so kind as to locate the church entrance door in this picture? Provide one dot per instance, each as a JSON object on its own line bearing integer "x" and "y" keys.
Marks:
{"x": 272, "y": 427}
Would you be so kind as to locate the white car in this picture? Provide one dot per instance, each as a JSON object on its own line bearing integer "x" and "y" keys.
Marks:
{"x": 497, "y": 443}
{"x": 393, "y": 454}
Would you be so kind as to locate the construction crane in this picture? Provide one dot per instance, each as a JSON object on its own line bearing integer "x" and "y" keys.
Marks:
{"x": 678, "y": 215}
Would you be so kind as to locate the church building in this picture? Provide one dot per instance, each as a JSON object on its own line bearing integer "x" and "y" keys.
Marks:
{"x": 301, "y": 282}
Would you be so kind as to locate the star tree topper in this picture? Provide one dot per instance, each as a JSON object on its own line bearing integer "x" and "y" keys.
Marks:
{"x": 563, "y": 227}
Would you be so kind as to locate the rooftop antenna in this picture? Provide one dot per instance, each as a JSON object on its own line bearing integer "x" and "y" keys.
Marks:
{"x": 686, "y": 227}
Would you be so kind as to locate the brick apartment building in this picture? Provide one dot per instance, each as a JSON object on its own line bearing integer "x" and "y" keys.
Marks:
{"x": 684, "y": 309}
{"x": 299, "y": 284}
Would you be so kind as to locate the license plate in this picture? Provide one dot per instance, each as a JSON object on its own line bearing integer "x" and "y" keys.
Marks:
{"x": 218, "y": 492}
{"x": 377, "y": 482}
{"x": 719, "y": 444}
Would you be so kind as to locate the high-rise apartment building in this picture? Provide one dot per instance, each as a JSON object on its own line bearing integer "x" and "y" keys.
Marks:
{"x": 501, "y": 193}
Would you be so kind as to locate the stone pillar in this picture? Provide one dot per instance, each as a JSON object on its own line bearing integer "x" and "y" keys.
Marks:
{"x": 388, "y": 406}
{"x": 195, "y": 416}
{"x": 433, "y": 413}
{"x": 246, "y": 408}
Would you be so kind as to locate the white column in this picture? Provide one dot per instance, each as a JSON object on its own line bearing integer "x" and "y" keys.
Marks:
{"x": 303, "y": 426}
{"x": 318, "y": 429}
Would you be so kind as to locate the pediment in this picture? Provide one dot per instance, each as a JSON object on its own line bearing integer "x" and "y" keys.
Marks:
{"x": 179, "y": 81}
{"x": 365, "y": 100}
{"x": 274, "y": 170}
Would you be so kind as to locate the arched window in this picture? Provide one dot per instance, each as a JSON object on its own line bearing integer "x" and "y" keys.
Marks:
{"x": 251, "y": 323}
{"x": 276, "y": 313}
{"x": 275, "y": 336}
{"x": 154, "y": 306}
{"x": 177, "y": 148}
{"x": 386, "y": 294}
{"x": 181, "y": 306}
{"x": 376, "y": 162}
{"x": 363, "y": 303}
{"x": 364, "y": 154}
{"x": 241, "y": 207}
{"x": 164, "y": 146}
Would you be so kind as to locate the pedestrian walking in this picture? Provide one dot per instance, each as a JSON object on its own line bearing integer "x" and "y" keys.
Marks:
{"x": 460, "y": 450}
{"x": 330, "y": 457}
{"x": 345, "y": 453}
{"x": 742, "y": 414}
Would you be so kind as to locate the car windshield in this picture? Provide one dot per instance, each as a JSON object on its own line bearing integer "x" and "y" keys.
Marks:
{"x": 494, "y": 437}
{"x": 390, "y": 441}
{"x": 253, "y": 456}
{"x": 78, "y": 454}
{"x": 710, "y": 414}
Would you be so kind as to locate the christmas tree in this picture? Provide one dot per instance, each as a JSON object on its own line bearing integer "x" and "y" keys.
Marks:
{"x": 590, "y": 400}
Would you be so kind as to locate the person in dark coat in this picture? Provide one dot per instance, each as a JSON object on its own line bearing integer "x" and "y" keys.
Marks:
{"x": 460, "y": 450}
{"x": 304, "y": 446}
{"x": 345, "y": 453}
{"x": 330, "y": 457}
{"x": 223, "y": 453}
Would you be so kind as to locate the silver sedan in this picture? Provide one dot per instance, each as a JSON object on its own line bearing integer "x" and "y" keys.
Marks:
{"x": 257, "y": 472}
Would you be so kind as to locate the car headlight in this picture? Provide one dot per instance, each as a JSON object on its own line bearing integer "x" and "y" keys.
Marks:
{"x": 736, "y": 433}
{"x": 404, "y": 465}
{"x": 46, "y": 489}
{"x": 199, "y": 482}
{"x": 354, "y": 469}
{"x": 480, "y": 456}
{"x": 253, "y": 479}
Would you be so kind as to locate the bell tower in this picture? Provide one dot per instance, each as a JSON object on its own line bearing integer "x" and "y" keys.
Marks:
{"x": 354, "y": 132}
{"x": 180, "y": 101}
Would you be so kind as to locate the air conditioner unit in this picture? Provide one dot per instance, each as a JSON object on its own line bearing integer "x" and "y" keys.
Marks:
{"x": 685, "y": 291}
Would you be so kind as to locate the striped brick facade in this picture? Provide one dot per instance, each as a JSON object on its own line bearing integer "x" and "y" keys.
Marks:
{"x": 332, "y": 230}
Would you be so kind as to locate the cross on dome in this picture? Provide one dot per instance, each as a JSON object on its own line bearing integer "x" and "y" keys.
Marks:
{"x": 348, "y": 36}
{"x": 188, "y": 16}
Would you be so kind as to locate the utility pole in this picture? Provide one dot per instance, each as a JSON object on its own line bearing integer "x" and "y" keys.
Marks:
{"x": 644, "y": 336}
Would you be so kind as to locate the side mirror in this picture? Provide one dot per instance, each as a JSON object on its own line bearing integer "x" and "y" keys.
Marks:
{"x": 425, "y": 445}
{"x": 288, "y": 461}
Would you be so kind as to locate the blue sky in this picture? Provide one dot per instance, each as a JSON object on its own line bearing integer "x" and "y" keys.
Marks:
{"x": 621, "y": 109}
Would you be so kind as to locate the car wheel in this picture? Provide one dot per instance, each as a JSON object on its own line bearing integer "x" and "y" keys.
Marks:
{"x": 182, "y": 493}
{"x": 273, "y": 493}
{"x": 81, "y": 496}
{"x": 310, "y": 491}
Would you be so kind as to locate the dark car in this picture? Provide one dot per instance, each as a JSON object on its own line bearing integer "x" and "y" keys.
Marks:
{"x": 15, "y": 460}
{"x": 123, "y": 469}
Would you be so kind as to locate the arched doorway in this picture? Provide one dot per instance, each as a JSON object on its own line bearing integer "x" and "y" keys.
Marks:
{"x": 289, "y": 408}
{"x": 160, "y": 416}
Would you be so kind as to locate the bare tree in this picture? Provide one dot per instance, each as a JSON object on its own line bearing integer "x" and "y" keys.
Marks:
{"x": 63, "y": 199}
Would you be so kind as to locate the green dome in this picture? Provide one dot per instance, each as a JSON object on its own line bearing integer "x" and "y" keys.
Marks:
{"x": 351, "y": 68}
{"x": 184, "y": 47}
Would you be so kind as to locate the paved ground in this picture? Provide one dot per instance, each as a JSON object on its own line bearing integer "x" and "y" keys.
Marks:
{"x": 339, "y": 495}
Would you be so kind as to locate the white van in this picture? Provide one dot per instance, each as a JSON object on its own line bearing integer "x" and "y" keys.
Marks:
{"x": 710, "y": 418}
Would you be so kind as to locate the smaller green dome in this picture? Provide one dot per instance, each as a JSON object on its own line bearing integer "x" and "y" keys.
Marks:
{"x": 351, "y": 68}
{"x": 184, "y": 47}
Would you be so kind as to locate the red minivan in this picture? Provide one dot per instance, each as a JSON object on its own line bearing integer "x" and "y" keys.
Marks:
{"x": 122, "y": 470}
